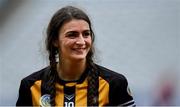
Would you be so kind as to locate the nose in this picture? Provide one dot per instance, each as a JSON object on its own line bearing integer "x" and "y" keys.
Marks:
{"x": 80, "y": 40}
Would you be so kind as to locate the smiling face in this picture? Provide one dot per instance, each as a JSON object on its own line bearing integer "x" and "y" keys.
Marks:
{"x": 74, "y": 41}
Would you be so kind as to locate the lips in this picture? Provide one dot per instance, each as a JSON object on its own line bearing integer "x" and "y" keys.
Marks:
{"x": 79, "y": 50}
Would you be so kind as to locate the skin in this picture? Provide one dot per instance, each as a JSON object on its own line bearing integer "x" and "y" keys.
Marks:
{"x": 74, "y": 43}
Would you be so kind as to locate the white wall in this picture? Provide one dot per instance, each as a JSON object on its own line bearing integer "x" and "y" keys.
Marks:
{"x": 138, "y": 38}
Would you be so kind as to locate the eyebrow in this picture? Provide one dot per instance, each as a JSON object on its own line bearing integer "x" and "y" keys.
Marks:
{"x": 77, "y": 31}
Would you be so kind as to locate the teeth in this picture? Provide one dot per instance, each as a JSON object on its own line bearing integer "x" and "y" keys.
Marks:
{"x": 79, "y": 49}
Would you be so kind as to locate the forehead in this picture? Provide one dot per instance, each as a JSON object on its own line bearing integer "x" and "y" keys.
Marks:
{"x": 75, "y": 25}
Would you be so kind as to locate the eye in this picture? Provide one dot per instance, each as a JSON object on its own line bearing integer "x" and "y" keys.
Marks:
{"x": 72, "y": 34}
{"x": 87, "y": 33}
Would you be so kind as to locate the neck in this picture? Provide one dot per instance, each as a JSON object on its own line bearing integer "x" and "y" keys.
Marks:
{"x": 69, "y": 70}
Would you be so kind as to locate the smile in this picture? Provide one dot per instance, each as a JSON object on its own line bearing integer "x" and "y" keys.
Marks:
{"x": 79, "y": 49}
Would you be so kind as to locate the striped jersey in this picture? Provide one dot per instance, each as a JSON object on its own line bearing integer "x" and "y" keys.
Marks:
{"x": 113, "y": 90}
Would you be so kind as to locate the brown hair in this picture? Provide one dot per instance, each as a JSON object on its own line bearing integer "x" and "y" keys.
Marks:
{"x": 62, "y": 16}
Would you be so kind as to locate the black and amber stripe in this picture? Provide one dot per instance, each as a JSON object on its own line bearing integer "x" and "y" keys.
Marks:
{"x": 112, "y": 91}
{"x": 80, "y": 93}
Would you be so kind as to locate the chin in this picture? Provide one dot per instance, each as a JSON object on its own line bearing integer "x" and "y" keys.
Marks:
{"x": 79, "y": 57}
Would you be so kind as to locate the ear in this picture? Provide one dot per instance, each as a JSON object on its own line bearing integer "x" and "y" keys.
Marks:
{"x": 55, "y": 43}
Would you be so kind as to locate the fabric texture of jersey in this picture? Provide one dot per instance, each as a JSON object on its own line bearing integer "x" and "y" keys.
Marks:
{"x": 113, "y": 90}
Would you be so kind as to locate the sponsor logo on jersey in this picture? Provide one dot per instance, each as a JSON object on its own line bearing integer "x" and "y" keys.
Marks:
{"x": 69, "y": 100}
{"x": 45, "y": 100}
{"x": 69, "y": 97}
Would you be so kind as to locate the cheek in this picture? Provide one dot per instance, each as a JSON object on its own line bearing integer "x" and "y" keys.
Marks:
{"x": 66, "y": 43}
{"x": 89, "y": 42}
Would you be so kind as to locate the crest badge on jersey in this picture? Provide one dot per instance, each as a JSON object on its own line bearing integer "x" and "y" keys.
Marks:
{"x": 45, "y": 100}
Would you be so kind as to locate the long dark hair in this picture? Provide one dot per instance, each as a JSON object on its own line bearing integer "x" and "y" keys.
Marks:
{"x": 62, "y": 16}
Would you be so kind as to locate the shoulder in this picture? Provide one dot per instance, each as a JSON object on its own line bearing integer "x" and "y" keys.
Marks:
{"x": 119, "y": 92}
{"x": 38, "y": 75}
{"x": 110, "y": 75}
{"x": 25, "y": 97}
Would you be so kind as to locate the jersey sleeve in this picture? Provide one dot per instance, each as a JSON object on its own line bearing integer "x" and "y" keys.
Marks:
{"x": 120, "y": 94}
{"x": 24, "y": 98}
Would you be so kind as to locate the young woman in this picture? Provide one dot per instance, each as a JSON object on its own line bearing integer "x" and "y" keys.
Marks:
{"x": 74, "y": 79}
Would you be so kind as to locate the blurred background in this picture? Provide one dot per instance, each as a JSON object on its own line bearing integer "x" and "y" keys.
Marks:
{"x": 137, "y": 38}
